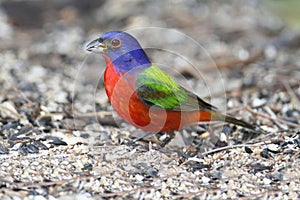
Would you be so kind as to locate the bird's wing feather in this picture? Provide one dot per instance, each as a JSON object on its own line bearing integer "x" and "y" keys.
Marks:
{"x": 155, "y": 87}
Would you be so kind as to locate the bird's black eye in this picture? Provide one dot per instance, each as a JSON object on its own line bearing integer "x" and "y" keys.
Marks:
{"x": 115, "y": 43}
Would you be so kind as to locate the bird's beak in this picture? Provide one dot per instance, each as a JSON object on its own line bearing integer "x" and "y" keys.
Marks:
{"x": 96, "y": 46}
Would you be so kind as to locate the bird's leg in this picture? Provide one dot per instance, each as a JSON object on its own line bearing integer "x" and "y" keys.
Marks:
{"x": 131, "y": 142}
{"x": 168, "y": 139}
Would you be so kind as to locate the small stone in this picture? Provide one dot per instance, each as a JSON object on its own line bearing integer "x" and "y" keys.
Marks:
{"x": 170, "y": 183}
{"x": 256, "y": 103}
{"x": 55, "y": 173}
{"x": 139, "y": 177}
{"x": 25, "y": 174}
{"x": 273, "y": 148}
{"x": 32, "y": 148}
{"x": 23, "y": 150}
{"x": 103, "y": 180}
{"x": 181, "y": 187}
{"x": 87, "y": 166}
{"x": 40, "y": 145}
{"x": 38, "y": 197}
{"x": 248, "y": 150}
{"x": 56, "y": 141}
{"x": 116, "y": 184}
{"x": 231, "y": 194}
{"x": 152, "y": 172}
{"x": 266, "y": 154}
{"x": 3, "y": 149}
{"x": 165, "y": 192}
{"x": 267, "y": 181}
{"x": 205, "y": 180}
{"x": 223, "y": 137}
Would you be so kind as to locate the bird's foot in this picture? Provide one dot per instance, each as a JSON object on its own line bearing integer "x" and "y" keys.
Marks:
{"x": 168, "y": 139}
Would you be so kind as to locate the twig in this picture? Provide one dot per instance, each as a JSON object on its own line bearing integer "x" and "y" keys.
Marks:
{"x": 94, "y": 114}
{"x": 232, "y": 147}
{"x": 291, "y": 93}
{"x": 272, "y": 118}
{"x": 23, "y": 95}
{"x": 226, "y": 148}
{"x": 60, "y": 182}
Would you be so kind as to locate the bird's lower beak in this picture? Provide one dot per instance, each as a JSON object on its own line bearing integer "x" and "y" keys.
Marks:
{"x": 96, "y": 46}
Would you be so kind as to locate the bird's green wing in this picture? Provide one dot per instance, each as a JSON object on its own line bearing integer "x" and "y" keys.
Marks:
{"x": 155, "y": 87}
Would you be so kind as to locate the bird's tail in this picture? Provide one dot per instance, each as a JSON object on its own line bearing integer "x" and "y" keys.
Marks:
{"x": 221, "y": 117}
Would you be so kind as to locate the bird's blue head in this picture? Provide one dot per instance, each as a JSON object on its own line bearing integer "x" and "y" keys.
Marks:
{"x": 123, "y": 50}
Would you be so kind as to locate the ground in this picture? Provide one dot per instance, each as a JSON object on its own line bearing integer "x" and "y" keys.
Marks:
{"x": 61, "y": 139}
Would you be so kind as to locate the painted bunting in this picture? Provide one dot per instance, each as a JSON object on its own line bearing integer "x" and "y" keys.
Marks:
{"x": 144, "y": 95}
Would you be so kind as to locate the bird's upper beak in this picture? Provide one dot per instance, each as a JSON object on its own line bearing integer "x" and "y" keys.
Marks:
{"x": 96, "y": 46}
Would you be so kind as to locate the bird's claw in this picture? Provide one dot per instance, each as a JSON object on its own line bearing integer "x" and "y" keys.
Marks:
{"x": 168, "y": 139}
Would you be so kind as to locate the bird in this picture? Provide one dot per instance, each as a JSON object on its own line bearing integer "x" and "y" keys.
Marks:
{"x": 146, "y": 96}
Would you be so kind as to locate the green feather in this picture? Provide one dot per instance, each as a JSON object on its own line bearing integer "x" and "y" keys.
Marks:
{"x": 155, "y": 87}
